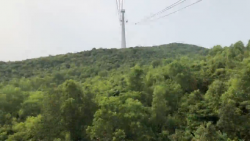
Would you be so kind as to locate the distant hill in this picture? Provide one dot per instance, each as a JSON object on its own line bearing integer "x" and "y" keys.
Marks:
{"x": 90, "y": 63}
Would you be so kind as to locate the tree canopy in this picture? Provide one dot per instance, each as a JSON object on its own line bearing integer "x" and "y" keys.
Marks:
{"x": 174, "y": 92}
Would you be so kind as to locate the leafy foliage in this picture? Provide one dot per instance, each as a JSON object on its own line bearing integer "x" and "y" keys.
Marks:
{"x": 174, "y": 92}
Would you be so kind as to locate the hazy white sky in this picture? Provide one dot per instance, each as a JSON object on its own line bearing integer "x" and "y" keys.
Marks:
{"x": 34, "y": 28}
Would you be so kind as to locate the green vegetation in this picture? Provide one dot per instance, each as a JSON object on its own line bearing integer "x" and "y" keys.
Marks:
{"x": 87, "y": 64}
{"x": 174, "y": 92}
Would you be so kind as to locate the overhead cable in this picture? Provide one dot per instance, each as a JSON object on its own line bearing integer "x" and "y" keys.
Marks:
{"x": 121, "y": 4}
{"x": 118, "y": 8}
{"x": 163, "y": 10}
{"x": 176, "y": 11}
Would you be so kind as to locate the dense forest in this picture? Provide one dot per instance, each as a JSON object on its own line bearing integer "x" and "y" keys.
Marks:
{"x": 174, "y": 92}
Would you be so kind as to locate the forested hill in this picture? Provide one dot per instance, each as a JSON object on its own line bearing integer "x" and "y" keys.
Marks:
{"x": 175, "y": 92}
{"x": 97, "y": 61}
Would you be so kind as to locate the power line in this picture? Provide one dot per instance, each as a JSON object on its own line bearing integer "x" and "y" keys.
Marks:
{"x": 121, "y": 4}
{"x": 119, "y": 1}
{"x": 165, "y": 9}
{"x": 171, "y": 6}
{"x": 179, "y": 9}
{"x": 176, "y": 11}
{"x": 118, "y": 8}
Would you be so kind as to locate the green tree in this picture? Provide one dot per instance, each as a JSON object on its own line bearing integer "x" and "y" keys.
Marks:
{"x": 32, "y": 105}
{"x": 208, "y": 132}
{"x": 213, "y": 95}
{"x": 127, "y": 118}
{"x": 248, "y": 45}
{"x": 28, "y": 130}
{"x": 135, "y": 79}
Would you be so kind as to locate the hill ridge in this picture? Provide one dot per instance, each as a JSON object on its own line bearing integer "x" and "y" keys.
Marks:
{"x": 90, "y": 61}
{"x": 166, "y": 45}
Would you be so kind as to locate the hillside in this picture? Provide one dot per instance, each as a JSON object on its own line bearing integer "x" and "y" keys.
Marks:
{"x": 173, "y": 92}
{"x": 88, "y": 63}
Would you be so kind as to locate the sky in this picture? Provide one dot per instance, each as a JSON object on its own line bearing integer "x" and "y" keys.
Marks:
{"x": 36, "y": 28}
